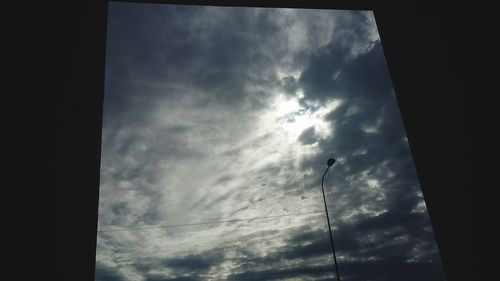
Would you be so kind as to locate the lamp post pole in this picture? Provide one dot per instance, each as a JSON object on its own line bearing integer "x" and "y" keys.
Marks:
{"x": 330, "y": 163}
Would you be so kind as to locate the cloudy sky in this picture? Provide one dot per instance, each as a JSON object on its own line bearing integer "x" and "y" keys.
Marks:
{"x": 218, "y": 122}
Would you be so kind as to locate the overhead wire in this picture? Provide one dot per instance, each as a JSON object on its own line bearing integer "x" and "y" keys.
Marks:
{"x": 230, "y": 221}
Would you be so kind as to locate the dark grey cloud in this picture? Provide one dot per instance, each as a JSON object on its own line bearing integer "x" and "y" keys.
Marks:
{"x": 215, "y": 52}
{"x": 370, "y": 139}
{"x": 391, "y": 270}
{"x": 181, "y": 278}
{"x": 194, "y": 262}
{"x": 308, "y": 136}
{"x": 277, "y": 274}
{"x": 369, "y": 135}
{"x": 375, "y": 246}
{"x": 106, "y": 273}
{"x": 290, "y": 85}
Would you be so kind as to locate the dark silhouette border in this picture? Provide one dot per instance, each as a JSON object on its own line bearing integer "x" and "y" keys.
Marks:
{"x": 431, "y": 53}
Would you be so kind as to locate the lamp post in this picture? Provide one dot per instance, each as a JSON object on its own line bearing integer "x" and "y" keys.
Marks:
{"x": 330, "y": 163}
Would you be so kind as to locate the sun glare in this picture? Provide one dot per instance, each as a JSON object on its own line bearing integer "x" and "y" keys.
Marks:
{"x": 292, "y": 118}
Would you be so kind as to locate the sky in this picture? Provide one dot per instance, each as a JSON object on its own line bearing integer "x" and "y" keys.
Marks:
{"x": 218, "y": 122}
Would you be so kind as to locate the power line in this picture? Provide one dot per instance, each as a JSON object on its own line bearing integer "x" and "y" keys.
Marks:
{"x": 227, "y": 221}
{"x": 209, "y": 222}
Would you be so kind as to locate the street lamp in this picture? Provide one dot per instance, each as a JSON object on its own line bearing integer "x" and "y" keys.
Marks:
{"x": 330, "y": 163}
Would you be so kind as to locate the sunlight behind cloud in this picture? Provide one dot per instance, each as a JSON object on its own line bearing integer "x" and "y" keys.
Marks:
{"x": 290, "y": 117}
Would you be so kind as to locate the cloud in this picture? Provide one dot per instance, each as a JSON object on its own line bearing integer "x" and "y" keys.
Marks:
{"x": 103, "y": 272}
{"x": 277, "y": 274}
{"x": 194, "y": 263}
{"x": 308, "y": 136}
{"x": 227, "y": 115}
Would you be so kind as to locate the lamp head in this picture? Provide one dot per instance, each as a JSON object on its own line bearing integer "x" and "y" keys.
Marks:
{"x": 330, "y": 162}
